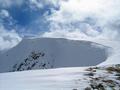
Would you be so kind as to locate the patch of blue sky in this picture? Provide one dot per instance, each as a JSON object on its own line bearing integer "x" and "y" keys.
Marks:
{"x": 23, "y": 17}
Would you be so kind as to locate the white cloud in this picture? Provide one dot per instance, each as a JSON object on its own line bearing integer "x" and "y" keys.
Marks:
{"x": 4, "y": 13}
{"x": 80, "y": 9}
{"x": 35, "y": 4}
{"x": 104, "y": 13}
{"x": 8, "y": 3}
{"x": 40, "y": 4}
{"x": 65, "y": 34}
{"x": 8, "y": 39}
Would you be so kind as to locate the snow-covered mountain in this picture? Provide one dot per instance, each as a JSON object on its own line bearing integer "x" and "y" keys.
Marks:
{"x": 44, "y": 53}
{"x": 58, "y": 53}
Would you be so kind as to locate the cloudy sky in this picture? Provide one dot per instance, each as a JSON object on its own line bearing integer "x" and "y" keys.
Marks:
{"x": 74, "y": 19}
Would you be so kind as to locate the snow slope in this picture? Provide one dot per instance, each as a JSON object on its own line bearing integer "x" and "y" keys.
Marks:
{"x": 58, "y": 79}
{"x": 42, "y": 53}
{"x": 99, "y": 78}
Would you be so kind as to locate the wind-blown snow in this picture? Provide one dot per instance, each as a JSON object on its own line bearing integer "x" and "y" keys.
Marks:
{"x": 114, "y": 56}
